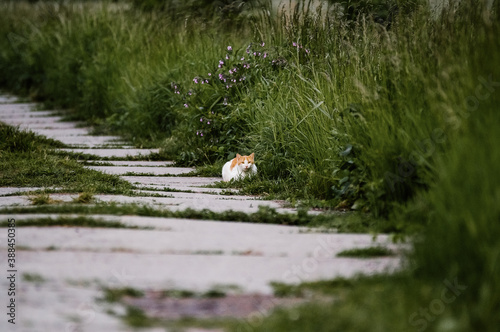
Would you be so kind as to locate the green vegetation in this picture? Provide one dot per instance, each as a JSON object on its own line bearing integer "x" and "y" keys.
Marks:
{"x": 135, "y": 317}
{"x": 81, "y": 221}
{"x": 116, "y": 294}
{"x": 369, "y": 252}
{"x": 326, "y": 287}
{"x": 389, "y": 109}
{"x": 28, "y": 160}
{"x": 33, "y": 277}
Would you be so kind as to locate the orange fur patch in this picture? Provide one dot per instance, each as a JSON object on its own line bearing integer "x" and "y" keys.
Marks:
{"x": 235, "y": 161}
{"x": 241, "y": 159}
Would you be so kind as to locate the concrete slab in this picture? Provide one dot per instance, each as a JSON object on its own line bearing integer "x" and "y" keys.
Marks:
{"x": 54, "y": 125}
{"x": 196, "y": 272}
{"x": 216, "y": 204}
{"x": 87, "y": 141}
{"x": 61, "y": 132}
{"x": 8, "y": 99}
{"x": 115, "y": 152}
{"x": 24, "y": 200}
{"x": 121, "y": 170}
{"x": 194, "y": 184}
{"x": 134, "y": 163}
{"x": 17, "y": 107}
{"x": 32, "y": 120}
{"x": 58, "y": 305}
{"x": 175, "y": 201}
{"x": 24, "y": 113}
{"x": 12, "y": 190}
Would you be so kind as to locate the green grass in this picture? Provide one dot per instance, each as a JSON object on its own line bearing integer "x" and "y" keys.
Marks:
{"x": 369, "y": 252}
{"x": 33, "y": 277}
{"x": 28, "y": 160}
{"x": 116, "y": 294}
{"x": 81, "y": 221}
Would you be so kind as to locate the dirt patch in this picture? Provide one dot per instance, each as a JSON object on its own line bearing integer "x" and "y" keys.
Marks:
{"x": 236, "y": 306}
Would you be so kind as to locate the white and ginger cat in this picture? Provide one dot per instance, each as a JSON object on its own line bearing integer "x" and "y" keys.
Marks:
{"x": 239, "y": 168}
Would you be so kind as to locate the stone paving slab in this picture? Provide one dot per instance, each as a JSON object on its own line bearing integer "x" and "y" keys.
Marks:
{"x": 113, "y": 153}
{"x": 121, "y": 170}
{"x": 196, "y": 190}
{"x": 54, "y": 126}
{"x": 17, "y": 107}
{"x": 24, "y": 200}
{"x": 56, "y": 305}
{"x": 209, "y": 202}
{"x": 8, "y": 99}
{"x": 31, "y": 120}
{"x": 198, "y": 272}
{"x": 12, "y": 190}
{"x": 23, "y": 114}
{"x": 87, "y": 141}
{"x": 63, "y": 132}
{"x": 174, "y": 201}
{"x": 134, "y": 163}
{"x": 195, "y": 184}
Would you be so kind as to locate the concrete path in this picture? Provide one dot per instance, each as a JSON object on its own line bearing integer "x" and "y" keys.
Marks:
{"x": 62, "y": 270}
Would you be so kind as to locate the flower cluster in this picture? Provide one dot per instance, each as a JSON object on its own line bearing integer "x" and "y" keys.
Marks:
{"x": 299, "y": 47}
{"x": 175, "y": 87}
{"x": 208, "y": 106}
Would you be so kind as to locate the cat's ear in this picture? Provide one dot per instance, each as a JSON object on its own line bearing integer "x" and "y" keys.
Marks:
{"x": 252, "y": 155}
{"x": 238, "y": 156}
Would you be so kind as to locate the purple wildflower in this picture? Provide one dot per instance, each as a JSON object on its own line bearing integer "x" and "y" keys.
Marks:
{"x": 229, "y": 48}
{"x": 263, "y": 44}
{"x": 186, "y": 105}
{"x": 209, "y": 74}
{"x": 201, "y": 134}
{"x": 208, "y": 122}
{"x": 201, "y": 119}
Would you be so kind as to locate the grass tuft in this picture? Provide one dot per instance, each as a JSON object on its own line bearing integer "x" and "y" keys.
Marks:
{"x": 369, "y": 252}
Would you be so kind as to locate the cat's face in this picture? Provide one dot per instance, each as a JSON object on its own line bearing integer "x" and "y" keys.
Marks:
{"x": 244, "y": 162}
